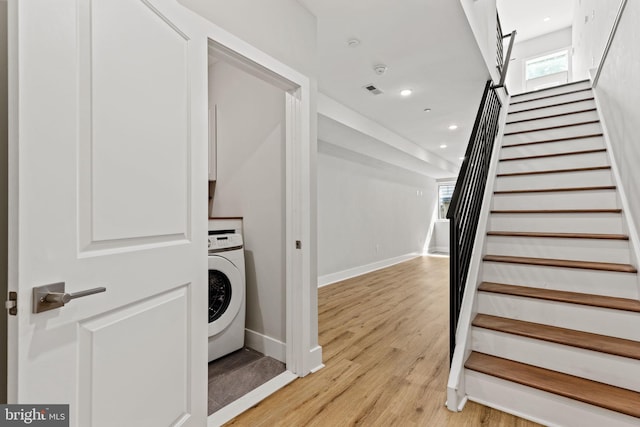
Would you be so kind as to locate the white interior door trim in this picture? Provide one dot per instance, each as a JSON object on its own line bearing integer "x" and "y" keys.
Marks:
{"x": 299, "y": 279}
{"x": 297, "y": 161}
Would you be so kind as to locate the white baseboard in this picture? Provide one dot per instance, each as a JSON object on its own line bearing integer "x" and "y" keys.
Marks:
{"x": 439, "y": 249}
{"x": 328, "y": 279}
{"x": 250, "y": 399}
{"x": 315, "y": 359}
{"x": 266, "y": 345}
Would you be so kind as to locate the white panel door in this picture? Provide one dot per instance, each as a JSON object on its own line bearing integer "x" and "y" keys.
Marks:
{"x": 108, "y": 186}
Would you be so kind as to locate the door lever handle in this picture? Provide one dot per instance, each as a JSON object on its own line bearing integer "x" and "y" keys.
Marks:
{"x": 65, "y": 298}
{"x": 52, "y": 296}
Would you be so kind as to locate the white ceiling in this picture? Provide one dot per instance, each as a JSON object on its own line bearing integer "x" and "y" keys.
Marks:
{"x": 527, "y": 16}
{"x": 429, "y": 48}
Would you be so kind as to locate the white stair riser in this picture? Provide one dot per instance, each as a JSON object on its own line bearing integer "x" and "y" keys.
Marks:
{"x": 596, "y": 250}
{"x": 544, "y": 408}
{"x": 551, "y": 110}
{"x": 555, "y": 180}
{"x": 604, "y": 223}
{"x": 602, "y": 199}
{"x": 607, "y": 283}
{"x": 568, "y": 146}
{"x": 551, "y": 91}
{"x": 544, "y": 135}
{"x": 592, "y": 365}
{"x": 596, "y": 320}
{"x": 552, "y": 121}
{"x": 515, "y": 106}
{"x": 557, "y": 162}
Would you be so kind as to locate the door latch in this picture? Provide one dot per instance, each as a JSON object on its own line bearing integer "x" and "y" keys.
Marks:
{"x": 12, "y": 303}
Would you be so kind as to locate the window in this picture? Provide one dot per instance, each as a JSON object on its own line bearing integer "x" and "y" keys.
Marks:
{"x": 445, "y": 191}
{"x": 553, "y": 63}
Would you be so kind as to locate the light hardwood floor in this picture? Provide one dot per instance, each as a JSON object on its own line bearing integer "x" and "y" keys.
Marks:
{"x": 385, "y": 347}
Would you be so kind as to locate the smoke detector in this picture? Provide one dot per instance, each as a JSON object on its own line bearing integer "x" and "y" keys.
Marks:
{"x": 353, "y": 42}
{"x": 380, "y": 69}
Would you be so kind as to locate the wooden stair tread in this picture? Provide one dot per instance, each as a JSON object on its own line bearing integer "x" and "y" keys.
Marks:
{"x": 590, "y": 122}
{"x": 555, "y": 211}
{"x": 585, "y": 340}
{"x": 549, "y": 88}
{"x": 550, "y": 171}
{"x": 542, "y": 156}
{"x": 552, "y": 105}
{"x": 588, "y": 110}
{"x": 550, "y": 96}
{"x": 566, "y": 263}
{"x": 558, "y": 235}
{"x": 603, "y": 395}
{"x": 545, "y": 141}
{"x": 556, "y": 190}
{"x": 613, "y": 303}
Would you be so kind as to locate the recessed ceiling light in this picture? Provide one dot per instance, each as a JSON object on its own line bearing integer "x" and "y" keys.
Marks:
{"x": 461, "y": 158}
{"x": 427, "y": 110}
{"x": 406, "y": 92}
{"x": 453, "y": 127}
{"x": 547, "y": 19}
{"x": 443, "y": 145}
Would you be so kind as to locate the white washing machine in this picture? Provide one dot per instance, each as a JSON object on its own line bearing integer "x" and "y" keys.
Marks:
{"x": 227, "y": 289}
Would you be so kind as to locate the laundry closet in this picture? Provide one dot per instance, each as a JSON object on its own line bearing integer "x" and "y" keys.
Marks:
{"x": 246, "y": 225}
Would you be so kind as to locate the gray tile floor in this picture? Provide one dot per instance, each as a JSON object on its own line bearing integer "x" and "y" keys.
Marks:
{"x": 236, "y": 374}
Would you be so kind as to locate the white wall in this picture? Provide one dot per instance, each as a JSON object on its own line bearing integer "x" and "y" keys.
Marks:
{"x": 251, "y": 184}
{"x": 618, "y": 91}
{"x": 481, "y": 15}
{"x": 368, "y": 211}
{"x": 284, "y": 29}
{"x": 591, "y": 28}
{"x": 531, "y": 48}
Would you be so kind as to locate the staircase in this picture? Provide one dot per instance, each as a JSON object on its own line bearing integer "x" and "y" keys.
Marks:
{"x": 556, "y": 337}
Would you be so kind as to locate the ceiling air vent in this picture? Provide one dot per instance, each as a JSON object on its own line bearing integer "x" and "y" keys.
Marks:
{"x": 374, "y": 90}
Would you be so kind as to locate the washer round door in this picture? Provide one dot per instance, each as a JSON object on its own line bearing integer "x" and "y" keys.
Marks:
{"x": 226, "y": 292}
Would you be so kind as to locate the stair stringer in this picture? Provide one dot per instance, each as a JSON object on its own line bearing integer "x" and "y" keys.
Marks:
{"x": 632, "y": 231}
{"x": 456, "y": 393}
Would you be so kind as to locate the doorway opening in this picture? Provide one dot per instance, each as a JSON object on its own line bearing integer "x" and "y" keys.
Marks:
{"x": 252, "y": 131}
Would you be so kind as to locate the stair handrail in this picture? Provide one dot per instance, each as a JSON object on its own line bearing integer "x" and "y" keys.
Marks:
{"x": 505, "y": 65}
{"x": 466, "y": 201}
{"x": 502, "y": 62}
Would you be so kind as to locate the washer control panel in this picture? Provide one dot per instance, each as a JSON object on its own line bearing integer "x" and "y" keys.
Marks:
{"x": 222, "y": 242}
